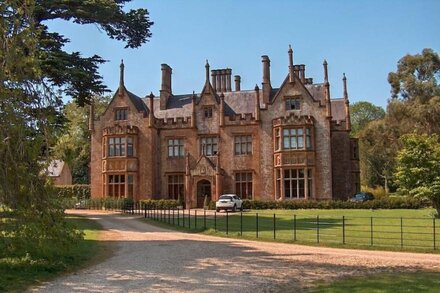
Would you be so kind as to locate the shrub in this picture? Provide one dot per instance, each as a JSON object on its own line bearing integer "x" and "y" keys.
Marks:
{"x": 382, "y": 203}
{"x": 159, "y": 203}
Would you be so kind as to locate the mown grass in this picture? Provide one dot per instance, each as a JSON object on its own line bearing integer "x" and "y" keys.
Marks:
{"x": 407, "y": 230}
{"x": 16, "y": 274}
{"x": 384, "y": 283}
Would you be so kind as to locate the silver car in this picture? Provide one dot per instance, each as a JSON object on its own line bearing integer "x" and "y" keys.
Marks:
{"x": 229, "y": 202}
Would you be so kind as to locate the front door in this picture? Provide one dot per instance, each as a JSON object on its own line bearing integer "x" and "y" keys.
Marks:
{"x": 203, "y": 190}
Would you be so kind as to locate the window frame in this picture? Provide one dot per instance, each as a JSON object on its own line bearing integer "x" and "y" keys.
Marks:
{"x": 244, "y": 143}
{"x": 292, "y": 103}
{"x": 212, "y": 145}
{"x": 243, "y": 183}
{"x": 176, "y": 186}
{"x": 207, "y": 112}
{"x": 294, "y": 138}
{"x": 120, "y": 146}
{"x": 176, "y": 150}
{"x": 121, "y": 114}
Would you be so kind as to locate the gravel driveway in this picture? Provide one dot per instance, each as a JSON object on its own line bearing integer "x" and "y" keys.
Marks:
{"x": 152, "y": 259}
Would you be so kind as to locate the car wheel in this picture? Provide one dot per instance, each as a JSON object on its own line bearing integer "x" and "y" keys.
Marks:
{"x": 234, "y": 208}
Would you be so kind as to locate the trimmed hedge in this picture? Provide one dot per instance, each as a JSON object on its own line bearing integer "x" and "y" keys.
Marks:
{"x": 159, "y": 203}
{"x": 383, "y": 203}
{"x": 78, "y": 191}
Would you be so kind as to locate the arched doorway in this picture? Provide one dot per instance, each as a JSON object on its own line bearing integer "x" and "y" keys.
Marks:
{"x": 203, "y": 190}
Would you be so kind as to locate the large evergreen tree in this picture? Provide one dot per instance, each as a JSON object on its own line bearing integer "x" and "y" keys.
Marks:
{"x": 35, "y": 71}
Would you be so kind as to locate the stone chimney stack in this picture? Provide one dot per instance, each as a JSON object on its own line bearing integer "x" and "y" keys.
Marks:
{"x": 237, "y": 79}
{"x": 302, "y": 73}
{"x": 151, "y": 115}
{"x": 221, "y": 80}
{"x": 121, "y": 79}
{"x": 165, "y": 90}
{"x": 214, "y": 79}
{"x": 267, "y": 88}
{"x": 328, "y": 103}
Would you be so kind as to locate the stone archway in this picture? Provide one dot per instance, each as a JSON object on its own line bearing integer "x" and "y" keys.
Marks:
{"x": 204, "y": 188}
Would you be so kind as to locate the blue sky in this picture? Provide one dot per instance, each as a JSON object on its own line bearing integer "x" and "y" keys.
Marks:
{"x": 364, "y": 39}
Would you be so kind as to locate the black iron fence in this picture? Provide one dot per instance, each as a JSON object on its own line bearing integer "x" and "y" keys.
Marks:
{"x": 396, "y": 232}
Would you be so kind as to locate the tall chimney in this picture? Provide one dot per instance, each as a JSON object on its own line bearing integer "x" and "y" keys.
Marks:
{"x": 228, "y": 79}
{"x": 223, "y": 80}
{"x": 165, "y": 91}
{"x": 237, "y": 79}
{"x": 151, "y": 115}
{"x": 214, "y": 79}
{"x": 121, "y": 79}
{"x": 218, "y": 76}
{"x": 267, "y": 88}
{"x": 302, "y": 73}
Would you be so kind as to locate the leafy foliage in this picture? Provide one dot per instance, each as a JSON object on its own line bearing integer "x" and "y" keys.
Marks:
{"x": 362, "y": 113}
{"x": 34, "y": 70}
{"x": 73, "y": 143}
{"x": 418, "y": 167}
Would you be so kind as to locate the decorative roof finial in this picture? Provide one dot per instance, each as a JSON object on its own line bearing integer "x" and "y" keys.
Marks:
{"x": 325, "y": 71}
{"x": 291, "y": 78}
{"x": 344, "y": 81}
{"x": 207, "y": 70}
{"x": 121, "y": 74}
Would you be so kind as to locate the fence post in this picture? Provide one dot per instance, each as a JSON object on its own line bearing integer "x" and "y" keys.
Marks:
{"x": 178, "y": 217}
{"x": 274, "y": 226}
{"x": 183, "y": 217}
{"x": 294, "y": 227}
{"x": 227, "y": 222}
{"x": 256, "y": 224}
{"x": 189, "y": 219}
{"x": 215, "y": 221}
{"x": 317, "y": 229}
{"x": 204, "y": 219}
{"x": 433, "y": 232}
{"x": 241, "y": 222}
{"x": 195, "y": 216}
{"x": 145, "y": 212}
{"x": 371, "y": 231}
{"x": 401, "y": 232}
{"x": 173, "y": 215}
{"x": 343, "y": 229}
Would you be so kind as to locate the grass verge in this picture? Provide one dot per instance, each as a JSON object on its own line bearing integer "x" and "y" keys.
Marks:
{"x": 394, "y": 230}
{"x": 422, "y": 281}
{"x": 16, "y": 274}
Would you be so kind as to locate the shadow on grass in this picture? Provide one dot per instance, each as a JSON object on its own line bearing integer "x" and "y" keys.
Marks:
{"x": 19, "y": 272}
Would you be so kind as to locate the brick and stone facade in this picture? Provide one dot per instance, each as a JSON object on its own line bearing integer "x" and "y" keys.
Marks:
{"x": 290, "y": 142}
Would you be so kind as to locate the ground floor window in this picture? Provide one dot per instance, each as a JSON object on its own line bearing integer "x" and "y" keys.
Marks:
{"x": 116, "y": 185}
{"x": 294, "y": 183}
{"x": 120, "y": 185}
{"x": 175, "y": 187}
{"x": 243, "y": 184}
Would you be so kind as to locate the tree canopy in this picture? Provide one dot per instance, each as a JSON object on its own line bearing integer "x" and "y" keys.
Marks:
{"x": 35, "y": 72}
{"x": 418, "y": 167}
{"x": 363, "y": 113}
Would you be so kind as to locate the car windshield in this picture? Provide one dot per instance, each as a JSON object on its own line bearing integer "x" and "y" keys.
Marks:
{"x": 225, "y": 197}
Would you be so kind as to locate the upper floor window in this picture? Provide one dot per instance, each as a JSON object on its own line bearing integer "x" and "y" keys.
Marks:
{"x": 293, "y": 103}
{"x": 207, "y": 112}
{"x": 297, "y": 138}
{"x": 121, "y": 114}
{"x": 175, "y": 147}
{"x": 120, "y": 146}
{"x": 209, "y": 146}
{"x": 243, "y": 144}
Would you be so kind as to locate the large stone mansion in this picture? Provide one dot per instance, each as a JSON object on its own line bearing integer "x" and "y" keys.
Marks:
{"x": 275, "y": 143}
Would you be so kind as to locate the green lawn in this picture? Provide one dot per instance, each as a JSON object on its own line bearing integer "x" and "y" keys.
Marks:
{"x": 378, "y": 229}
{"x": 16, "y": 274}
{"x": 384, "y": 283}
